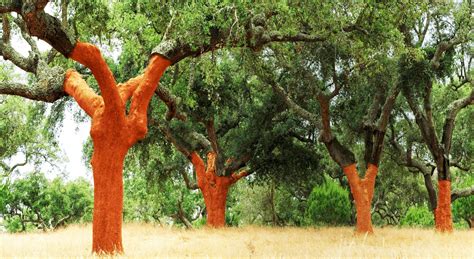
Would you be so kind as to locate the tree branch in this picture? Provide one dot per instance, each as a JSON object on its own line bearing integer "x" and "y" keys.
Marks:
{"x": 200, "y": 168}
{"x": 190, "y": 185}
{"x": 126, "y": 89}
{"x": 456, "y": 194}
{"x": 237, "y": 176}
{"x": 382, "y": 124}
{"x": 442, "y": 47}
{"x": 9, "y": 53}
{"x": 89, "y": 55}
{"x": 406, "y": 159}
{"x": 171, "y": 102}
{"x": 169, "y": 136}
{"x": 303, "y": 113}
{"x": 233, "y": 165}
{"x": 452, "y": 112}
{"x": 47, "y": 88}
{"x": 143, "y": 94}
{"x": 45, "y": 26}
{"x": 422, "y": 34}
{"x": 76, "y": 87}
{"x": 430, "y": 139}
{"x": 24, "y": 33}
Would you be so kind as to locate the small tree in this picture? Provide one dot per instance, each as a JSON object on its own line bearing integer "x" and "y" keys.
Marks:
{"x": 34, "y": 202}
{"x": 418, "y": 216}
{"x": 328, "y": 204}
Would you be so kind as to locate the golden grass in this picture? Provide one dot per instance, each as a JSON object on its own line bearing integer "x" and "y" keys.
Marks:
{"x": 142, "y": 240}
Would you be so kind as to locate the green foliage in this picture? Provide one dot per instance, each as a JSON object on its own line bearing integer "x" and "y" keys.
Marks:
{"x": 268, "y": 204}
{"x": 23, "y": 134}
{"x": 463, "y": 207}
{"x": 153, "y": 186}
{"x": 229, "y": 86}
{"x": 35, "y": 202}
{"x": 415, "y": 72}
{"x": 328, "y": 204}
{"x": 418, "y": 216}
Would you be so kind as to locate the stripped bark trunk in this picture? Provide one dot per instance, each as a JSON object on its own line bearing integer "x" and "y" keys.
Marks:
{"x": 113, "y": 132}
{"x": 443, "y": 215}
{"x": 363, "y": 191}
{"x": 107, "y": 166}
{"x": 214, "y": 188}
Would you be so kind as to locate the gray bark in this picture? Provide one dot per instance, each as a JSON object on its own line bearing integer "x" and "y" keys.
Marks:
{"x": 456, "y": 194}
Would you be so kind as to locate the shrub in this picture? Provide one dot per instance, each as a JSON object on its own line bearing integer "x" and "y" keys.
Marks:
{"x": 463, "y": 211}
{"x": 329, "y": 204}
{"x": 418, "y": 216}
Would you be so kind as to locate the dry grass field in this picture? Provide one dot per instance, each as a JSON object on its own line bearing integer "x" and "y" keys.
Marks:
{"x": 150, "y": 241}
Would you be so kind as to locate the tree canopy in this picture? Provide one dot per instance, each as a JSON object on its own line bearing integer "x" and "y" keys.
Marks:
{"x": 362, "y": 107}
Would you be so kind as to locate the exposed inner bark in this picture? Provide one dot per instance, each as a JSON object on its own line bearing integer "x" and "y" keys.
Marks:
{"x": 443, "y": 217}
{"x": 214, "y": 188}
{"x": 113, "y": 132}
{"x": 363, "y": 191}
{"x": 107, "y": 166}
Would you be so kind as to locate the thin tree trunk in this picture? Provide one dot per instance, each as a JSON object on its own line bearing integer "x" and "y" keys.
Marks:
{"x": 431, "y": 191}
{"x": 363, "y": 191}
{"x": 470, "y": 222}
{"x": 272, "y": 204}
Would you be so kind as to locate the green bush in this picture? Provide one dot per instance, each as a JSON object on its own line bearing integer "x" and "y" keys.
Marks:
{"x": 463, "y": 211}
{"x": 418, "y": 216}
{"x": 328, "y": 204}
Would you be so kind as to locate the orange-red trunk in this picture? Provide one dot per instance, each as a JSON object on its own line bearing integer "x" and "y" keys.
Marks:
{"x": 214, "y": 188}
{"x": 363, "y": 191}
{"x": 107, "y": 165}
{"x": 443, "y": 216}
{"x": 113, "y": 132}
{"x": 215, "y": 198}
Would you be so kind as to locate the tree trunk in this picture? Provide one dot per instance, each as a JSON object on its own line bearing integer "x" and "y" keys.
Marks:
{"x": 213, "y": 187}
{"x": 443, "y": 216}
{"x": 431, "y": 191}
{"x": 107, "y": 166}
{"x": 113, "y": 132}
{"x": 363, "y": 191}
{"x": 470, "y": 222}
{"x": 215, "y": 198}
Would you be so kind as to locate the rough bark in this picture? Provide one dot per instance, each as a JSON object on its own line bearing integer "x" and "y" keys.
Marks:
{"x": 431, "y": 192}
{"x": 41, "y": 24}
{"x": 442, "y": 47}
{"x": 172, "y": 103}
{"x": 48, "y": 86}
{"x": 181, "y": 215}
{"x": 214, "y": 188}
{"x": 363, "y": 191}
{"x": 257, "y": 34}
